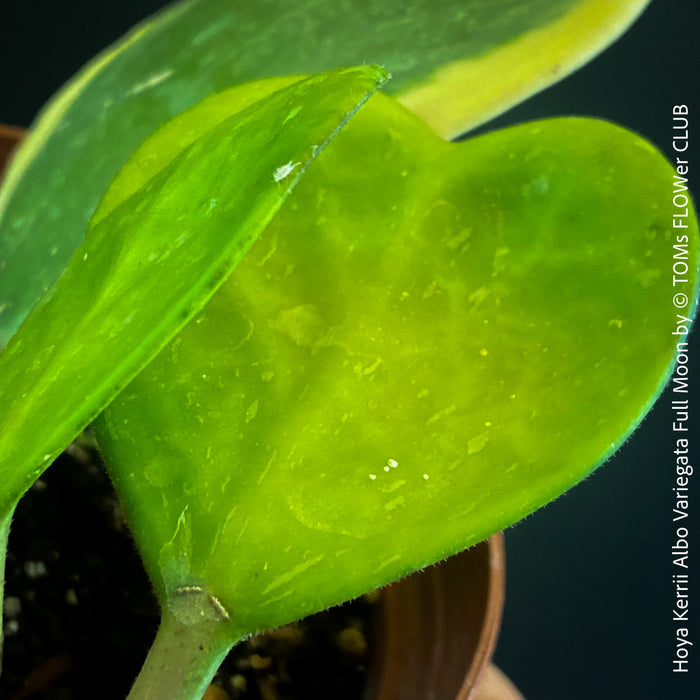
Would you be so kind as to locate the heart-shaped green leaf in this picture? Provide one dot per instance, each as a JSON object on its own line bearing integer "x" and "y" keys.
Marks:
{"x": 430, "y": 341}
{"x": 455, "y": 62}
{"x": 151, "y": 263}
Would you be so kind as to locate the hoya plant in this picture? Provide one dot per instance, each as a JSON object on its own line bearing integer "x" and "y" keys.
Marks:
{"x": 323, "y": 346}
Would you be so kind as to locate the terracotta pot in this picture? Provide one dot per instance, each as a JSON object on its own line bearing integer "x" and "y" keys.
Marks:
{"x": 436, "y": 630}
{"x": 10, "y": 136}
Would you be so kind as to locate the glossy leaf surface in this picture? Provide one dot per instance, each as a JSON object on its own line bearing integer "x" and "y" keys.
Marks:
{"x": 429, "y": 342}
{"x": 455, "y": 62}
{"x": 146, "y": 268}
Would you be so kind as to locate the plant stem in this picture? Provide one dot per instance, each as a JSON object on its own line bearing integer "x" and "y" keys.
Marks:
{"x": 182, "y": 660}
{"x": 5, "y": 520}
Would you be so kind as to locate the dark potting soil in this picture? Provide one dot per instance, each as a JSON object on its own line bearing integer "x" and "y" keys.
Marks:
{"x": 80, "y": 614}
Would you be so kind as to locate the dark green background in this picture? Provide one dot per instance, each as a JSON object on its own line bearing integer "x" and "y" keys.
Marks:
{"x": 589, "y": 600}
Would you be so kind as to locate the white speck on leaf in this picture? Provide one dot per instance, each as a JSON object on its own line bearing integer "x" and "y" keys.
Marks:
{"x": 284, "y": 171}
